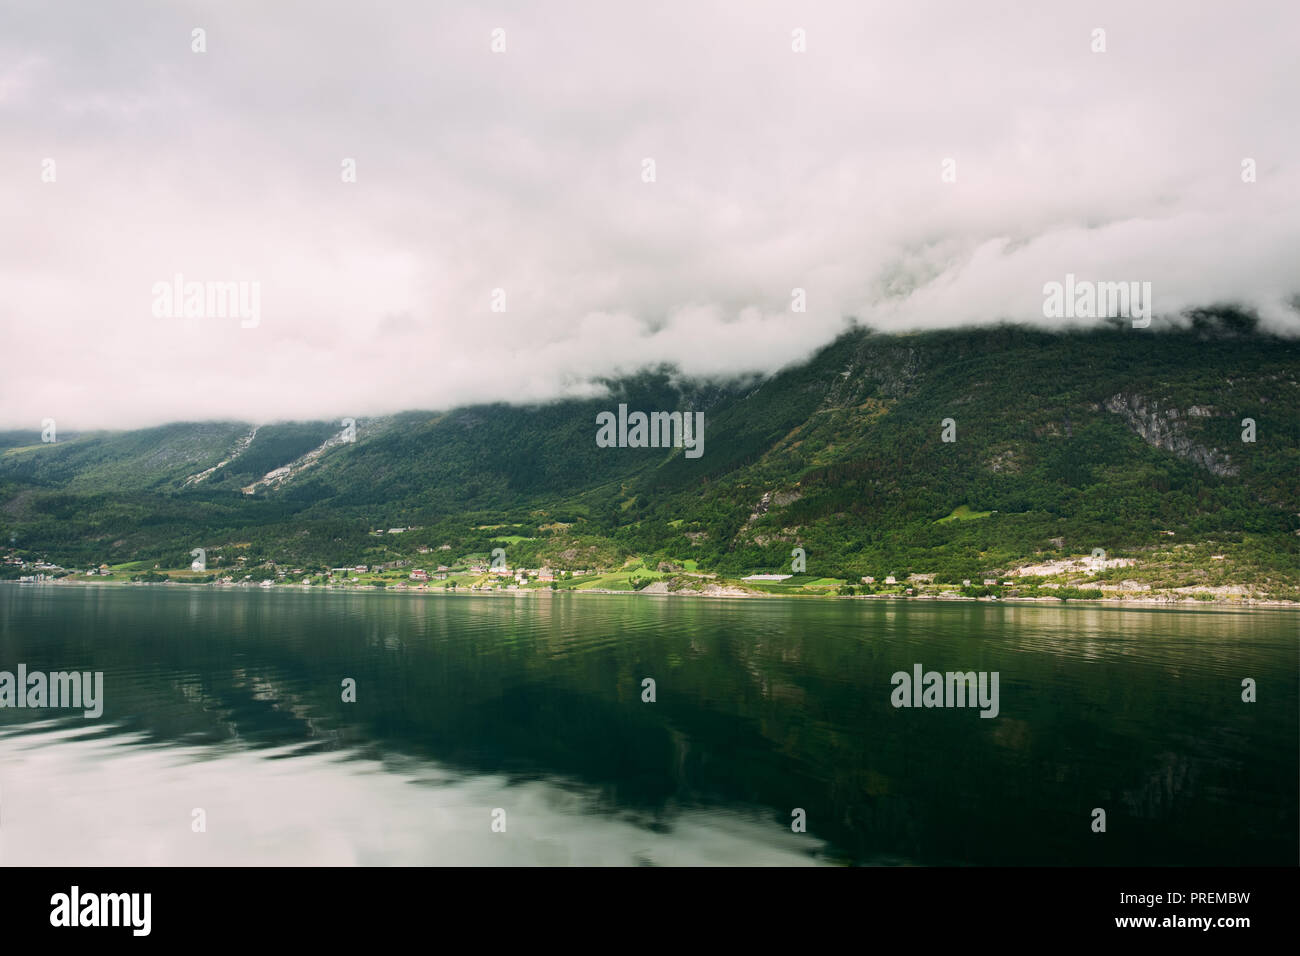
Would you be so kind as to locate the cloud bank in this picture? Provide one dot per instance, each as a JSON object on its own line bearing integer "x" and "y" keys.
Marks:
{"x": 524, "y": 171}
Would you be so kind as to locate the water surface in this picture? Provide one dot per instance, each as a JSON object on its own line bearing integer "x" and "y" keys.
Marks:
{"x": 230, "y": 701}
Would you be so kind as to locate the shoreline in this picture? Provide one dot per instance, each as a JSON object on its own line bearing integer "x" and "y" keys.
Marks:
{"x": 1179, "y": 603}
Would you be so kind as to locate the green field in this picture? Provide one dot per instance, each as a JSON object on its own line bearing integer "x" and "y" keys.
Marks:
{"x": 963, "y": 513}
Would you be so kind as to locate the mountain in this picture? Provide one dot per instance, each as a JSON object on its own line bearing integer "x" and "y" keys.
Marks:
{"x": 1129, "y": 441}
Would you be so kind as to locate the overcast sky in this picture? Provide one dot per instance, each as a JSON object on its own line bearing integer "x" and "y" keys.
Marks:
{"x": 523, "y": 171}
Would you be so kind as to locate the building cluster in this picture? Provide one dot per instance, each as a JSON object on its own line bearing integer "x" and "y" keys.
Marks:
{"x": 418, "y": 578}
{"x": 44, "y": 570}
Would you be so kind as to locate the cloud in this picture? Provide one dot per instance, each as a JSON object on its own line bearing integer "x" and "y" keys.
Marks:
{"x": 522, "y": 171}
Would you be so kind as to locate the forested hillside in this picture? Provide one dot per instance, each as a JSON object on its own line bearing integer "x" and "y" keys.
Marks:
{"x": 1060, "y": 444}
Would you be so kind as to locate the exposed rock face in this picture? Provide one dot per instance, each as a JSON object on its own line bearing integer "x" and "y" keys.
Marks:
{"x": 761, "y": 508}
{"x": 294, "y": 468}
{"x": 241, "y": 446}
{"x": 1070, "y": 566}
{"x": 1004, "y": 461}
{"x": 778, "y": 499}
{"x": 1161, "y": 428}
{"x": 890, "y": 370}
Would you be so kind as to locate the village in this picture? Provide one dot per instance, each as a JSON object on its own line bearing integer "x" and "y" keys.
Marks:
{"x": 476, "y": 576}
{"x": 1078, "y": 579}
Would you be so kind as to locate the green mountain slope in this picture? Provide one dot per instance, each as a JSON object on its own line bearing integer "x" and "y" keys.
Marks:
{"x": 1064, "y": 443}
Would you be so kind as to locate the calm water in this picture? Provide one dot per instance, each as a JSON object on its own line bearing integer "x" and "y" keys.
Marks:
{"x": 230, "y": 702}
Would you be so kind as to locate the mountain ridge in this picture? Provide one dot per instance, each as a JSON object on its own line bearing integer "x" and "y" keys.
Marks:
{"x": 1106, "y": 438}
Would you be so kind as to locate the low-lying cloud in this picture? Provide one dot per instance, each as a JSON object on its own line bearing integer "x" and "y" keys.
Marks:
{"x": 522, "y": 171}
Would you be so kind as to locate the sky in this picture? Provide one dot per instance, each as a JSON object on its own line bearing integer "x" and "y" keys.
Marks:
{"x": 516, "y": 178}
